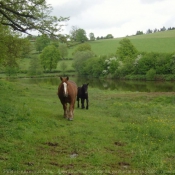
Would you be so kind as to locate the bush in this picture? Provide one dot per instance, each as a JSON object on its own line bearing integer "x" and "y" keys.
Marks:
{"x": 11, "y": 71}
{"x": 80, "y": 58}
{"x": 94, "y": 67}
{"x": 150, "y": 75}
{"x": 35, "y": 67}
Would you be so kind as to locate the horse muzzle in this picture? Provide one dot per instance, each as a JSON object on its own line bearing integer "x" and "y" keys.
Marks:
{"x": 66, "y": 95}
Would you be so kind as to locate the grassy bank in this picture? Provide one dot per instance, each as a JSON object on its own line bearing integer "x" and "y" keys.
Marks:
{"x": 121, "y": 133}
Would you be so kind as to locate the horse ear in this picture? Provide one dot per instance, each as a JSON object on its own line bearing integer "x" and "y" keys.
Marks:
{"x": 61, "y": 78}
{"x": 67, "y": 78}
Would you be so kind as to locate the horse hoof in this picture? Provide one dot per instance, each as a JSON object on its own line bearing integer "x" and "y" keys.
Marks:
{"x": 70, "y": 119}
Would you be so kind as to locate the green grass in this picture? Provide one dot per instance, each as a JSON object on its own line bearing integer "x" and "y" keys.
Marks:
{"x": 162, "y": 42}
{"x": 122, "y": 132}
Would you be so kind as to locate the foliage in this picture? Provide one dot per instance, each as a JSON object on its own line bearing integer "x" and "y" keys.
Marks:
{"x": 12, "y": 47}
{"x": 73, "y": 33}
{"x": 29, "y": 15}
{"x": 81, "y": 35}
{"x": 63, "y": 66}
{"x": 91, "y": 36}
{"x": 41, "y": 42}
{"x": 145, "y": 63}
{"x": 150, "y": 75}
{"x": 110, "y": 65}
{"x": 83, "y": 47}
{"x": 26, "y": 48}
{"x": 172, "y": 63}
{"x": 160, "y": 62}
{"x": 163, "y": 63}
{"x": 126, "y": 49}
{"x": 3, "y": 33}
{"x": 109, "y": 36}
{"x": 141, "y": 64}
{"x": 93, "y": 67}
{"x": 139, "y": 33}
{"x": 11, "y": 70}
{"x": 80, "y": 58}
{"x": 63, "y": 50}
{"x": 35, "y": 67}
{"x": 78, "y": 34}
{"x": 50, "y": 57}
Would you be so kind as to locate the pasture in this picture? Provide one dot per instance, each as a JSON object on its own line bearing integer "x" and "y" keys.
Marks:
{"x": 121, "y": 133}
{"x": 162, "y": 42}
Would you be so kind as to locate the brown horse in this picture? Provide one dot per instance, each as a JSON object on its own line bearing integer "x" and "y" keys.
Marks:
{"x": 67, "y": 92}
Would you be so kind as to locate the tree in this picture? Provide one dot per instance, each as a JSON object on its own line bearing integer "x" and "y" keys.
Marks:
{"x": 163, "y": 29}
{"x": 145, "y": 63}
{"x": 28, "y": 15}
{"x": 139, "y": 33}
{"x": 109, "y": 36}
{"x": 150, "y": 75}
{"x": 155, "y": 30}
{"x": 92, "y": 37}
{"x": 73, "y": 33}
{"x": 80, "y": 58}
{"x": 77, "y": 34}
{"x": 26, "y": 48}
{"x": 3, "y": 32}
{"x": 12, "y": 47}
{"x": 63, "y": 50}
{"x": 63, "y": 67}
{"x": 81, "y": 35}
{"x": 126, "y": 49}
{"x": 83, "y": 47}
{"x": 41, "y": 42}
{"x": 35, "y": 67}
{"x": 50, "y": 57}
{"x": 110, "y": 65}
{"x": 93, "y": 67}
{"x": 149, "y": 31}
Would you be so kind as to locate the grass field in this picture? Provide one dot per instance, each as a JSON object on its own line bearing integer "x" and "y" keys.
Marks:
{"x": 163, "y": 42}
{"x": 121, "y": 133}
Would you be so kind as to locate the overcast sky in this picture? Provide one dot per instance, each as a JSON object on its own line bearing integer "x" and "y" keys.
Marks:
{"x": 117, "y": 17}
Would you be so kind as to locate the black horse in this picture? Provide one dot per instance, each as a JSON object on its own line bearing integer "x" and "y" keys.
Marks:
{"x": 83, "y": 95}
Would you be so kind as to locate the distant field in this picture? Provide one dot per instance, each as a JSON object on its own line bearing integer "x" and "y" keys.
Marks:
{"x": 163, "y": 42}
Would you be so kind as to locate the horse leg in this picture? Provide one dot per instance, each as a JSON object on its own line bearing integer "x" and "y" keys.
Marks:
{"x": 65, "y": 110}
{"x": 82, "y": 103}
{"x": 71, "y": 111}
{"x": 87, "y": 103}
{"x": 78, "y": 102}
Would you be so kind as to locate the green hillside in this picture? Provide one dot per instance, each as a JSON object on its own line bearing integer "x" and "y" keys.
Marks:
{"x": 163, "y": 42}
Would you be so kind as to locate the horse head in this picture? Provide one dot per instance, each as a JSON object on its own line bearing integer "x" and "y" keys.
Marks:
{"x": 85, "y": 88}
{"x": 65, "y": 85}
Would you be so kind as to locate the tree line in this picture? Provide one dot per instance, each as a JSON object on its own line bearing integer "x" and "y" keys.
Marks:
{"x": 155, "y": 30}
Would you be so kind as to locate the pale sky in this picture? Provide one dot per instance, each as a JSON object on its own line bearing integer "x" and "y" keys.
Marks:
{"x": 117, "y": 17}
